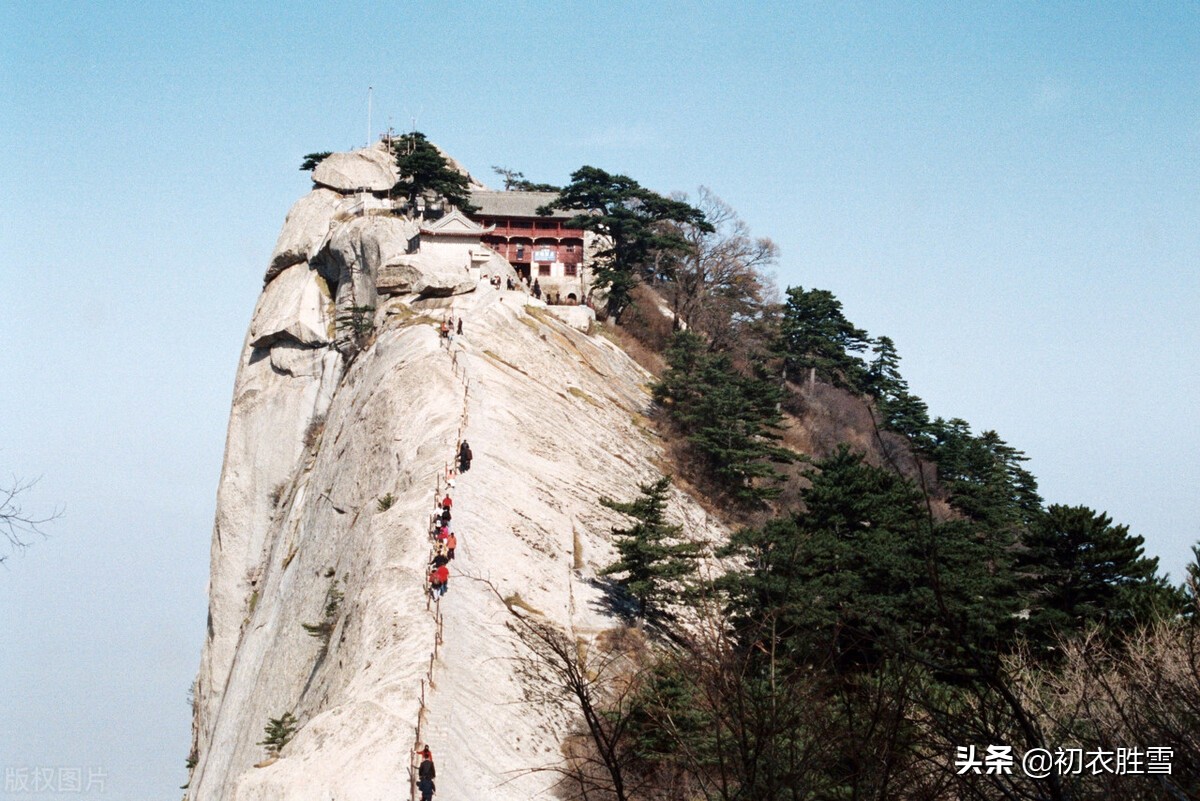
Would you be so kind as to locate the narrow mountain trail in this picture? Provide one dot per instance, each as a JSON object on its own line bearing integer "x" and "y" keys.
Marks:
{"x": 462, "y": 679}
{"x": 554, "y": 418}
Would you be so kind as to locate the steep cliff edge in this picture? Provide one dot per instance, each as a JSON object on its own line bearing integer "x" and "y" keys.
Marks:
{"x": 315, "y": 439}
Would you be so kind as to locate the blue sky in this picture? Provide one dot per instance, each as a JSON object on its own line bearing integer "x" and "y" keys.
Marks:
{"x": 1010, "y": 191}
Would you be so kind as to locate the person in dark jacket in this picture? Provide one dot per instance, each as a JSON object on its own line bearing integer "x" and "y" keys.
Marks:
{"x": 426, "y": 770}
{"x": 464, "y": 457}
{"x": 427, "y": 789}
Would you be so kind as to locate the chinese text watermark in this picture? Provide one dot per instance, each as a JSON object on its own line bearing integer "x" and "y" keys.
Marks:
{"x": 1038, "y": 763}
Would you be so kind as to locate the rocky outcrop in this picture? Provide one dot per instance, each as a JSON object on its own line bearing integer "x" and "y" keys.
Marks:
{"x": 274, "y": 415}
{"x": 551, "y": 415}
{"x": 580, "y": 318}
{"x": 371, "y": 168}
{"x": 420, "y": 275}
{"x": 296, "y": 307}
{"x": 304, "y": 231}
{"x": 371, "y": 257}
{"x": 359, "y": 248}
{"x": 317, "y": 438}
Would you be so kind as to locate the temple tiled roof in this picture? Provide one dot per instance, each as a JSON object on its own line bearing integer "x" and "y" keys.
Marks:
{"x": 516, "y": 204}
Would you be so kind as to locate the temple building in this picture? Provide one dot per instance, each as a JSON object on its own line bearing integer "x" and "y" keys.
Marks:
{"x": 453, "y": 239}
{"x": 538, "y": 247}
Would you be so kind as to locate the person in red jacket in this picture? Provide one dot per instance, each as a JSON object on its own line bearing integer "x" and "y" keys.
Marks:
{"x": 439, "y": 580}
{"x": 446, "y": 502}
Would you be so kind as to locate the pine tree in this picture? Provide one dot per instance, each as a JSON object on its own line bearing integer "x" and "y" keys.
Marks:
{"x": 864, "y": 573}
{"x": 685, "y": 356}
{"x": 735, "y": 424}
{"x": 311, "y": 160}
{"x": 515, "y": 181}
{"x": 637, "y": 224}
{"x": 278, "y": 733}
{"x": 1079, "y": 570}
{"x": 1191, "y": 584}
{"x": 733, "y": 420}
{"x": 651, "y": 556}
{"x": 816, "y": 339}
{"x": 984, "y": 475}
{"x": 424, "y": 169}
{"x": 902, "y": 412}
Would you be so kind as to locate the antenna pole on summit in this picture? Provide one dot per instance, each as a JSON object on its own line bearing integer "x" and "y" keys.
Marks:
{"x": 370, "y": 92}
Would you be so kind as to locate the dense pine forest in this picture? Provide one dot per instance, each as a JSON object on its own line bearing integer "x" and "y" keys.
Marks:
{"x": 899, "y": 614}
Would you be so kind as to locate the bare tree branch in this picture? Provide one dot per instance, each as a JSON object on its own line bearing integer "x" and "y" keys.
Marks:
{"x": 17, "y": 525}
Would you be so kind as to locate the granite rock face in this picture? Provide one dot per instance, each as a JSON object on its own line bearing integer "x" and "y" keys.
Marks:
{"x": 318, "y": 436}
{"x": 305, "y": 230}
{"x": 296, "y": 307}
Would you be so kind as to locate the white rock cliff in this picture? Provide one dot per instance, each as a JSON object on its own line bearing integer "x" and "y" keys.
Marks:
{"x": 317, "y": 437}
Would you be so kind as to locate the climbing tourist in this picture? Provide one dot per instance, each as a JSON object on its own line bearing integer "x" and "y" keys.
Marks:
{"x": 442, "y": 576}
{"x": 445, "y": 516}
{"x": 439, "y": 560}
{"x": 464, "y": 457}
{"x": 436, "y": 581}
{"x": 446, "y": 502}
{"x": 451, "y": 544}
{"x": 445, "y": 329}
{"x": 460, "y": 325}
{"x": 537, "y": 289}
{"x": 427, "y": 789}
{"x": 426, "y": 770}
{"x": 425, "y": 753}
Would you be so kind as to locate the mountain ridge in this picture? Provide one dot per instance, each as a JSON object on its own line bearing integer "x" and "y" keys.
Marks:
{"x": 319, "y": 432}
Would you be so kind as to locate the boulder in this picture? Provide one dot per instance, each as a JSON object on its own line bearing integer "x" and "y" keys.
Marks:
{"x": 578, "y": 317}
{"x": 294, "y": 308}
{"x": 420, "y": 275}
{"x": 371, "y": 168}
{"x": 304, "y": 230}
